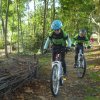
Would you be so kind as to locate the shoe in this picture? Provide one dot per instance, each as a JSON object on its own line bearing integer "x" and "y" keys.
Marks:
{"x": 65, "y": 76}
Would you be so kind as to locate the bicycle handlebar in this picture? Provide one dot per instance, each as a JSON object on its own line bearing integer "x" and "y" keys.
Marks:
{"x": 66, "y": 49}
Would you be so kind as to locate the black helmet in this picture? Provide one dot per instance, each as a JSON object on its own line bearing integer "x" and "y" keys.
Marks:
{"x": 82, "y": 31}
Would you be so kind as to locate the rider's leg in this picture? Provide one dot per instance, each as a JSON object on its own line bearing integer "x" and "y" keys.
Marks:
{"x": 63, "y": 63}
{"x": 54, "y": 49}
{"x": 53, "y": 56}
{"x": 53, "y": 53}
{"x": 76, "y": 55}
{"x": 82, "y": 47}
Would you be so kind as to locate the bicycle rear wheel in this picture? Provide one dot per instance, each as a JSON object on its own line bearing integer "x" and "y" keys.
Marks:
{"x": 54, "y": 80}
{"x": 82, "y": 69}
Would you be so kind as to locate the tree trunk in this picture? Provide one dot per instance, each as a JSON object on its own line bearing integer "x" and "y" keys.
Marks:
{"x": 53, "y": 9}
{"x": 1, "y": 16}
{"x": 11, "y": 35}
{"x": 7, "y": 11}
{"x": 18, "y": 22}
{"x": 4, "y": 26}
{"x": 44, "y": 23}
{"x": 98, "y": 35}
{"x": 34, "y": 17}
{"x": 21, "y": 35}
{"x": 0, "y": 8}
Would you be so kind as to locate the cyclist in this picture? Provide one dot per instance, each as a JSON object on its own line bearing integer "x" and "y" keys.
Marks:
{"x": 79, "y": 40}
{"x": 58, "y": 39}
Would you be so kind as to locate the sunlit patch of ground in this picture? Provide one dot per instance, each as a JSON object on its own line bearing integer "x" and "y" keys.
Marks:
{"x": 74, "y": 88}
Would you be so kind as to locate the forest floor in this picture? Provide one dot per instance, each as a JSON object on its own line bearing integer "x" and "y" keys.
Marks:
{"x": 87, "y": 88}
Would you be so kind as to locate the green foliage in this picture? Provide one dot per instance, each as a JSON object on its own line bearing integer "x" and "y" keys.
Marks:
{"x": 28, "y": 43}
{"x": 92, "y": 91}
{"x": 1, "y": 44}
{"x": 45, "y": 60}
{"x": 74, "y": 14}
{"x": 91, "y": 98}
{"x": 95, "y": 76}
{"x": 14, "y": 38}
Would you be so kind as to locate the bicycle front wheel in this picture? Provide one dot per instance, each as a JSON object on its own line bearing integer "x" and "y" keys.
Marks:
{"x": 54, "y": 80}
{"x": 81, "y": 70}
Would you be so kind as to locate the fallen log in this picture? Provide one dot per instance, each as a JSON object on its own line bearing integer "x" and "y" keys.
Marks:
{"x": 16, "y": 71}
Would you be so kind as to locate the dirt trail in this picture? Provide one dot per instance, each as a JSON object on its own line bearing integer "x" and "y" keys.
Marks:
{"x": 73, "y": 88}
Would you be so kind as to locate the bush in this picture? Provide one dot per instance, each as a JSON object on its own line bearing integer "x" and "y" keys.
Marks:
{"x": 1, "y": 44}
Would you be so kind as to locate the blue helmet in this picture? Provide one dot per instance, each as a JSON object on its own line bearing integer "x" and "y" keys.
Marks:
{"x": 56, "y": 24}
{"x": 82, "y": 31}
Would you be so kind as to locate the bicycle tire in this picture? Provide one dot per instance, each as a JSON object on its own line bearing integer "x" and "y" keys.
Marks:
{"x": 54, "y": 72}
{"x": 83, "y": 69}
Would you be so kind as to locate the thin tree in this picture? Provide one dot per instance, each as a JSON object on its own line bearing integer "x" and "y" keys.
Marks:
{"x": 18, "y": 19}
{"x": 44, "y": 22}
{"x": 34, "y": 16}
{"x": 4, "y": 25}
{"x": 54, "y": 10}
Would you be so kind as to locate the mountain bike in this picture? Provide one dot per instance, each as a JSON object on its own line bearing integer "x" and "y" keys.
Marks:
{"x": 57, "y": 79}
{"x": 81, "y": 65}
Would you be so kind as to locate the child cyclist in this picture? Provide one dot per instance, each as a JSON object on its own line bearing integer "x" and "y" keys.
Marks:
{"x": 79, "y": 40}
{"x": 58, "y": 39}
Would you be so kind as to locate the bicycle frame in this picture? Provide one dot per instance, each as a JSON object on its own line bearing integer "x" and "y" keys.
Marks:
{"x": 81, "y": 64}
{"x": 80, "y": 57}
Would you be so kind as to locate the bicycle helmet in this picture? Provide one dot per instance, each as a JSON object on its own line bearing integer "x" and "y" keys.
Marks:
{"x": 82, "y": 31}
{"x": 56, "y": 24}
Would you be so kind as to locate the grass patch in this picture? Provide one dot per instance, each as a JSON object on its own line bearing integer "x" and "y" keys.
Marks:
{"x": 91, "y": 98}
{"x": 88, "y": 53}
{"x": 90, "y": 66}
{"x": 45, "y": 59}
{"x": 95, "y": 75}
{"x": 92, "y": 90}
{"x": 45, "y": 65}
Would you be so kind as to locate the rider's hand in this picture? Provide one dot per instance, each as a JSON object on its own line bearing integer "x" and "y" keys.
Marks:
{"x": 73, "y": 45}
{"x": 67, "y": 49}
{"x": 88, "y": 47}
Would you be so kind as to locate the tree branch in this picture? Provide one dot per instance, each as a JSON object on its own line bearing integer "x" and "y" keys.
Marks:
{"x": 93, "y": 21}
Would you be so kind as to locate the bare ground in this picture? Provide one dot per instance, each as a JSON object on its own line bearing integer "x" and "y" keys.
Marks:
{"x": 73, "y": 88}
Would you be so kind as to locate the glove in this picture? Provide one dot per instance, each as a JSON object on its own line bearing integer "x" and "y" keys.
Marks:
{"x": 44, "y": 51}
{"x": 67, "y": 49}
{"x": 73, "y": 45}
{"x": 88, "y": 47}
